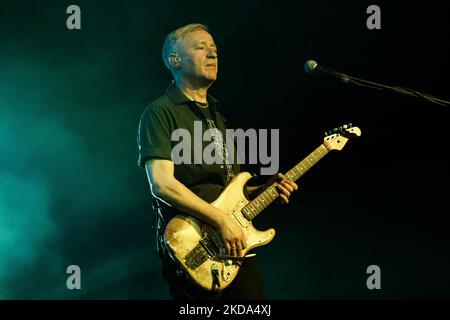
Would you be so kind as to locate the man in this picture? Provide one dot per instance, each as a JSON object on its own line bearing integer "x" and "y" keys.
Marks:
{"x": 191, "y": 56}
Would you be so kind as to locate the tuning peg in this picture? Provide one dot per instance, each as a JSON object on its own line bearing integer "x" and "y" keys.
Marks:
{"x": 350, "y": 125}
{"x": 340, "y": 129}
{"x": 335, "y": 130}
{"x": 345, "y": 126}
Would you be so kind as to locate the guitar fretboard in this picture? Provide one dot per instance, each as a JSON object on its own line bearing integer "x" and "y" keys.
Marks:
{"x": 253, "y": 208}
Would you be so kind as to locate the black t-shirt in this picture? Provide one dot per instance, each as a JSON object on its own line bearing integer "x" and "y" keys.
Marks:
{"x": 172, "y": 111}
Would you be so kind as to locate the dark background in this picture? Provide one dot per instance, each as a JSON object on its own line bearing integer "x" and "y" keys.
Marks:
{"x": 70, "y": 102}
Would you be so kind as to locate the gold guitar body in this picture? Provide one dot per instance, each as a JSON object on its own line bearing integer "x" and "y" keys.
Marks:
{"x": 197, "y": 246}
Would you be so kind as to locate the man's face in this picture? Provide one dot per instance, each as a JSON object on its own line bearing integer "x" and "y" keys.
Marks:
{"x": 199, "y": 57}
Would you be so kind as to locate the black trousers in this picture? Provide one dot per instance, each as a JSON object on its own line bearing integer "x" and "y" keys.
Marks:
{"x": 247, "y": 285}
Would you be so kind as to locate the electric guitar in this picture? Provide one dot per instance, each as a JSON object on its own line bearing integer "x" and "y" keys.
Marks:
{"x": 197, "y": 246}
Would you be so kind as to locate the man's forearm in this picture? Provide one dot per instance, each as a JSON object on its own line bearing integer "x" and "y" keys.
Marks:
{"x": 181, "y": 198}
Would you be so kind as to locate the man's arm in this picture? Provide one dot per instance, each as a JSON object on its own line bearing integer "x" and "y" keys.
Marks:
{"x": 165, "y": 186}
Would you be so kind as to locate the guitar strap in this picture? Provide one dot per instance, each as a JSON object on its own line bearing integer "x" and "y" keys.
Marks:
{"x": 161, "y": 247}
{"x": 159, "y": 221}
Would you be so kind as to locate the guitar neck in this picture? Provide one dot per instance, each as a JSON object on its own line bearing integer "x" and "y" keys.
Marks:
{"x": 253, "y": 208}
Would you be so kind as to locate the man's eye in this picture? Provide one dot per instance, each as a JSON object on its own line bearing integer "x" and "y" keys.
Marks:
{"x": 200, "y": 48}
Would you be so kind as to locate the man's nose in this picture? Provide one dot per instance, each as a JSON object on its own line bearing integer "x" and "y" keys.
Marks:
{"x": 212, "y": 53}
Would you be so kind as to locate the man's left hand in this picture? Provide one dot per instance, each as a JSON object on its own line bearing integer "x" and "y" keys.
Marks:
{"x": 285, "y": 186}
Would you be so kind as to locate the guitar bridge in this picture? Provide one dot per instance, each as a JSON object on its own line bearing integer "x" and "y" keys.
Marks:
{"x": 203, "y": 251}
{"x": 196, "y": 257}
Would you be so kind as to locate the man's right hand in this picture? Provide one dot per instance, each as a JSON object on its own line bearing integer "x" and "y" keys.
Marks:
{"x": 232, "y": 236}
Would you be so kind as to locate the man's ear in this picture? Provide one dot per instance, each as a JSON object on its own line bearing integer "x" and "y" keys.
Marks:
{"x": 174, "y": 60}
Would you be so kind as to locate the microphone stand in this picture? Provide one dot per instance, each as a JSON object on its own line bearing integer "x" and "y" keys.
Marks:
{"x": 406, "y": 91}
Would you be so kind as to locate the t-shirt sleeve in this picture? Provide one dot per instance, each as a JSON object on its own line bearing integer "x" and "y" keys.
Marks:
{"x": 153, "y": 136}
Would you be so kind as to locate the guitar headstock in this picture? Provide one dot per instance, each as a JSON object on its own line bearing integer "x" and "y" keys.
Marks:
{"x": 337, "y": 138}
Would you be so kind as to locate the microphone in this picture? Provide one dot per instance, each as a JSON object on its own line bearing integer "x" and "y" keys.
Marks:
{"x": 313, "y": 67}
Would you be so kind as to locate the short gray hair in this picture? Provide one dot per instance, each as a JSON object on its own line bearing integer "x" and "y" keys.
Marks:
{"x": 173, "y": 37}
